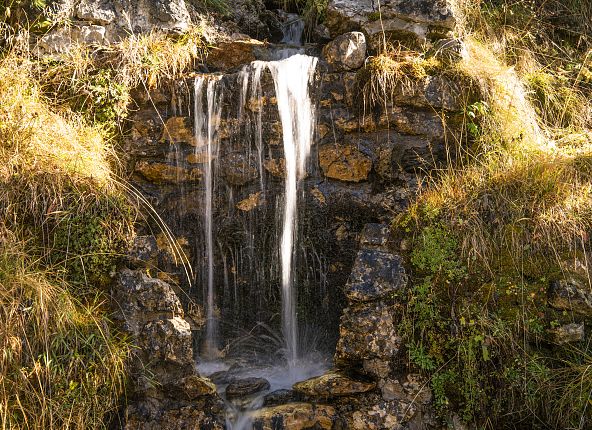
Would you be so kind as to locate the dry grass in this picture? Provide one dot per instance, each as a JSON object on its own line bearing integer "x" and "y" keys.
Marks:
{"x": 393, "y": 71}
{"x": 60, "y": 366}
{"x": 36, "y": 138}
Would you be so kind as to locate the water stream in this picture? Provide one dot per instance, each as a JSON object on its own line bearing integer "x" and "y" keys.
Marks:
{"x": 292, "y": 74}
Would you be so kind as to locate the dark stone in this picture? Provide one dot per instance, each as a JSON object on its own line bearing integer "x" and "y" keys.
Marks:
{"x": 375, "y": 275}
{"x": 246, "y": 387}
{"x": 279, "y": 397}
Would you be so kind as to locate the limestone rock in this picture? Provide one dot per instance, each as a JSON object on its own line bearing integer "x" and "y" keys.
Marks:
{"x": 295, "y": 416}
{"x": 231, "y": 54}
{"x": 567, "y": 333}
{"x": 367, "y": 332}
{"x": 346, "y": 163}
{"x": 375, "y": 275}
{"x": 142, "y": 298}
{"x": 383, "y": 415}
{"x": 332, "y": 384}
{"x": 246, "y": 387}
{"x": 160, "y": 173}
{"x": 572, "y": 296}
{"x": 177, "y": 129}
{"x": 98, "y": 12}
{"x": 416, "y": 19}
{"x": 276, "y": 166}
{"x": 346, "y": 52}
{"x": 194, "y": 386}
{"x": 168, "y": 341}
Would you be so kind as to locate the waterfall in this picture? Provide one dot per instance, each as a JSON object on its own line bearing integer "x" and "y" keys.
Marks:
{"x": 292, "y": 78}
{"x": 206, "y": 124}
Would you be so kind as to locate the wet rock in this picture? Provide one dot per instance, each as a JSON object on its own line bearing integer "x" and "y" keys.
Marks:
{"x": 346, "y": 52}
{"x": 417, "y": 20}
{"x": 199, "y": 157}
{"x": 374, "y": 236}
{"x": 168, "y": 341}
{"x": 238, "y": 170}
{"x": 246, "y": 387}
{"x": 178, "y": 129}
{"x": 221, "y": 377}
{"x": 375, "y": 275}
{"x": 367, "y": 332}
{"x": 567, "y": 333}
{"x": 295, "y": 416}
{"x": 333, "y": 384}
{"x": 160, "y": 173}
{"x": 345, "y": 163}
{"x": 193, "y": 386}
{"x": 254, "y": 200}
{"x": 572, "y": 296}
{"x": 279, "y": 397}
{"x": 276, "y": 166}
{"x": 254, "y": 19}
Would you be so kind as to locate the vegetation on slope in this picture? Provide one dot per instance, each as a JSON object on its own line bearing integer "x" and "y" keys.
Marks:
{"x": 66, "y": 220}
{"x": 487, "y": 234}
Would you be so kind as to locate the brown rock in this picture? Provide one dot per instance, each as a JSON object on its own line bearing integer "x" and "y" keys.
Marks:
{"x": 165, "y": 173}
{"x": 177, "y": 129}
{"x": 277, "y": 167}
{"x": 295, "y": 416}
{"x": 250, "y": 203}
{"x": 199, "y": 158}
{"x": 238, "y": 169}
{"x": 233, "y": 53}
{"x": 572, "y": 296}
{"x": 332, "y": 384}
{"x": 345, "y": 163}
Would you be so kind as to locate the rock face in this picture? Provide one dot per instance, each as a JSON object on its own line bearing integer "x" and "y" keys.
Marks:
{"x": 345, "y": 163}
{"x": 412, "y": 20}
{"x": 168, "y": 392}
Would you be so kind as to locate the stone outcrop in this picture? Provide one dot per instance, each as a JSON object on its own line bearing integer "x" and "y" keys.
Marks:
{"x": 571, "y": 295}
{"x": 168, "y": 392}
{"x": 413, "y": 21}
{"x": 296, "y": 416}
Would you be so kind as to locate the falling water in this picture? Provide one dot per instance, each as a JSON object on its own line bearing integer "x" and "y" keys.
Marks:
{"x": 292, "y": 78}
{"x": 206, "y": 125}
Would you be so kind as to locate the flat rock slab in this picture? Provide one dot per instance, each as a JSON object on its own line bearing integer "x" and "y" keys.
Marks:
{"x": 333, "y": 384}
{"x": 246, "y": 387}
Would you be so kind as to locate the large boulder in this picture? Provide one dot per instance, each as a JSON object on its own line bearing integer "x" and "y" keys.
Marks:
{"x": 413, "y": 21}
{"x": 346, "y": 52}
